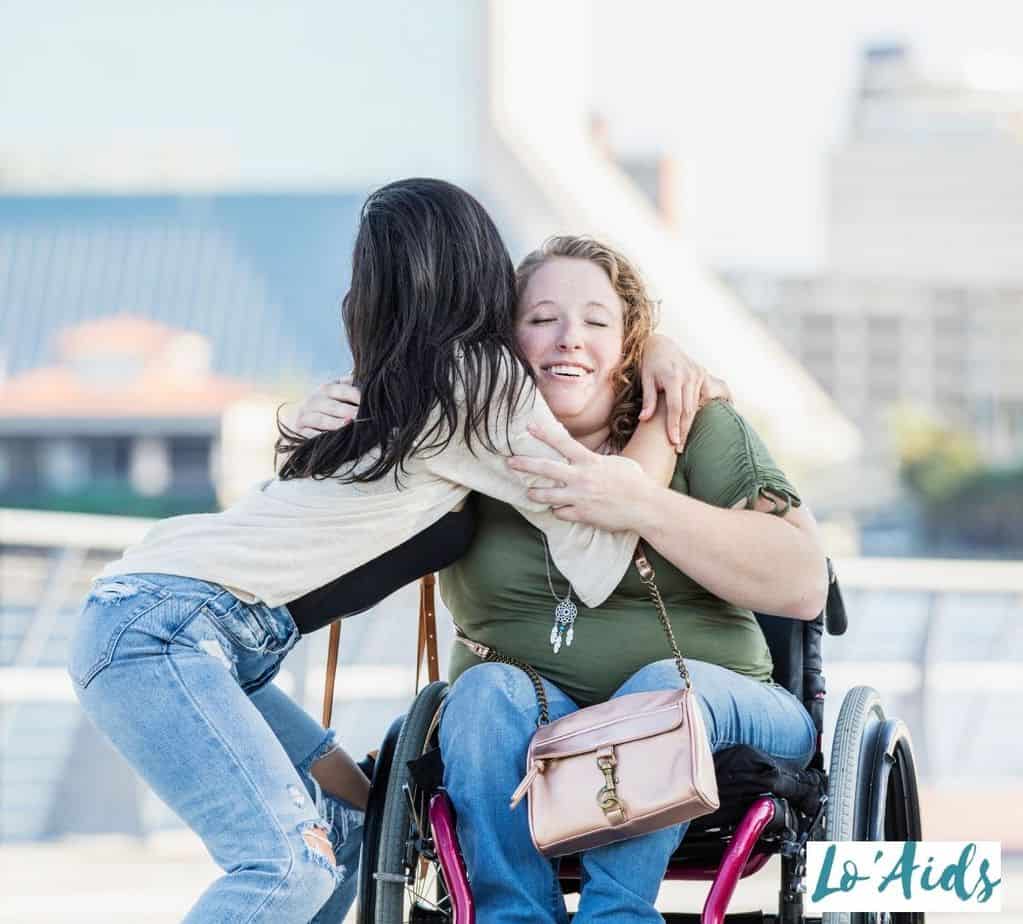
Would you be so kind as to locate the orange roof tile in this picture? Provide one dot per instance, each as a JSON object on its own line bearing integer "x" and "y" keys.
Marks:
{"x": 156, "y": 389}
{"x": 57, "y": 392}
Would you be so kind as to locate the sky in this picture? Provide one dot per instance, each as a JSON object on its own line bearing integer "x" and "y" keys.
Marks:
{"x": 749, "y": 98}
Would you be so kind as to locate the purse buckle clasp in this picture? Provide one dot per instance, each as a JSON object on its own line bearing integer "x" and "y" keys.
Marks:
{"x": 607, "y": 796}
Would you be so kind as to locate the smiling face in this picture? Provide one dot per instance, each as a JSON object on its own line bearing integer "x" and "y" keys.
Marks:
{"x": 570, "y": 326}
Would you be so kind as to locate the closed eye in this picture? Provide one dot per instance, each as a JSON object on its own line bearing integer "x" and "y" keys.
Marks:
{"x": 541, "y": 320}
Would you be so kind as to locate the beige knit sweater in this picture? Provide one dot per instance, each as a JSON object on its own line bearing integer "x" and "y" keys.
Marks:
{"x": 286, "y": 538}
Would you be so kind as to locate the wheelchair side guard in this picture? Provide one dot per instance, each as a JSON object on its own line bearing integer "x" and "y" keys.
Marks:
{"x": 427, "y": 771}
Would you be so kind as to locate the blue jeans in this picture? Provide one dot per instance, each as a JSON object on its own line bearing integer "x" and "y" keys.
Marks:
{"x": 176, "y": 672}
{"x": 489, "y": 716}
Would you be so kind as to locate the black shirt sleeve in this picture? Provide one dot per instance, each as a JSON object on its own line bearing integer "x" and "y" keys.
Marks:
{"x": 434, "y": 548}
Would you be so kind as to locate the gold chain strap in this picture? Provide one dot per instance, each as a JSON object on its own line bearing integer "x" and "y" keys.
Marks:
{"x": 646, "y": 575}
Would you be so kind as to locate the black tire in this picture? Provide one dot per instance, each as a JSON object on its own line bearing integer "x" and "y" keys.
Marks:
{"x": 374, "y": 820}
{"x": 396, "y": 825}
{"x": 862, "y": 737}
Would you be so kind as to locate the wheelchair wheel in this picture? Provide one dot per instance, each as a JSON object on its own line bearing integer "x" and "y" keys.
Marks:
{"x": 872, "y": 792}
{"x": 374, "y": 817}
{"x": 407, "y": 886}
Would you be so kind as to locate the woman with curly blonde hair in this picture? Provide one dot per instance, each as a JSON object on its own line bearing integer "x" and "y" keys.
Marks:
{"x": 639, "y": 319}
{"x": 727, "y": 535}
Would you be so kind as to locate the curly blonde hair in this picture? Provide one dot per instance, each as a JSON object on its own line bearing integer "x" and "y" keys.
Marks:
{"x": 640, "y": 318}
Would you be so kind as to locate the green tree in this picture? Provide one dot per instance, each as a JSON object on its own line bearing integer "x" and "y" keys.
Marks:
{"x": 935, "y": 460}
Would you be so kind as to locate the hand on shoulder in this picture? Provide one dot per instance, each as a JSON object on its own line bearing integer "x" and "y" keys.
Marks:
{"x": 333, "y": 405}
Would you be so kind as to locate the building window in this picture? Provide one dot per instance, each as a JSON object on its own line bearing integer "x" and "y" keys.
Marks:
{"x": 190, "y": 462}
{"x": 21, "y": 466}
{"x": 884, "y": 335}
{"x": 109, "y": 458}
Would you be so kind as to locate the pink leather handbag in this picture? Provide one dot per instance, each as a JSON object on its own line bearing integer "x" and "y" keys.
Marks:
{"x": 619, "y": 769}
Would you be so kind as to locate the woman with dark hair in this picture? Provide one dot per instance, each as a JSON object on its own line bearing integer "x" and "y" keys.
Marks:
{"x": 179, "y": 640}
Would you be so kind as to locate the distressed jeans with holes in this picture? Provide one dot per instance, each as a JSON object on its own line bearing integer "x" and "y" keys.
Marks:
{"x": 176, "y": 672}
{"x": 490, "y": 714}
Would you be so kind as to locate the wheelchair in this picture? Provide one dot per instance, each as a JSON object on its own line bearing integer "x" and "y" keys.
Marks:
{"x": 412, "y": 872}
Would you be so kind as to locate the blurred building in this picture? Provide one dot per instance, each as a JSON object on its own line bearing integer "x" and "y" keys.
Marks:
{"x": 922, "y": 300}
{"x": 260, "y": 276}
{"x": 126, "y": 420}
{"x": 952, "y": 351}
{"x": 928, "y": 184}
{"x": 164, "y": 223}
{"x": 223, "y": 202}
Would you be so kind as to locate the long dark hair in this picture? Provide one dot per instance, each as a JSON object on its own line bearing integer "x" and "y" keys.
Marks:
{"x": 430, "y": 323}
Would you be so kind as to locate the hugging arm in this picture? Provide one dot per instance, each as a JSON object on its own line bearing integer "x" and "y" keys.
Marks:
{"x": 594, "y": 560}
{"x": 741, "y": 532}
{"x": 674, "y": 385}
{"x": 686, "y": 387}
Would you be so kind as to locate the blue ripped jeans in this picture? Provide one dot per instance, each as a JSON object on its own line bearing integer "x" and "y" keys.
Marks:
{"x": 176, "y": 672}
{"x": 490, "y": 714}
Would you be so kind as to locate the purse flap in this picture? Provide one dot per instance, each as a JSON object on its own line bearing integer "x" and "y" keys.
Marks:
{"x": 625, "y": 718}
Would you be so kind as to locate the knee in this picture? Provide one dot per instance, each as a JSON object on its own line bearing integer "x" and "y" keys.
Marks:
{"x": 487, "y": 694}
{"x": 710, "y": 685}
{"x": 660, "y": 675}
{"x": 719, "y": 694}
{"x": 316, "y": 839}
{"x": 312, "y": 874}
{"x": 489, "y": 713}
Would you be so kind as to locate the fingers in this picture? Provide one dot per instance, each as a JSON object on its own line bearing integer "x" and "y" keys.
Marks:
{"x": 554, "y": 497}
{"x": 560, "y": 441}
{"x": 545, "y": 468}
{"x": 675, "y": 406}
{"x": 560, "y": 505}
{"x": 339, "y": 391}
{"x": 327, "y": 409}
{"x": 713, "y": 387}
{"x": 318, "y": 421}
{"x": 691, "y": 406}
{"x": 649, "y": 395}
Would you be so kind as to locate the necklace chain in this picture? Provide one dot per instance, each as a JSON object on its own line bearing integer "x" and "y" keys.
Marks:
{"x": 550, "y": 583}
{"x": 563, "y": 630}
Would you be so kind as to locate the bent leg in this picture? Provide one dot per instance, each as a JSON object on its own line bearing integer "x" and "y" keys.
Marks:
{"x": 490, "y": 714}
{"x": 622, "y": 880}
{"x": 309, "y": 746}
{"x": 740, "y": 710}
{"x": 180, "y": 718}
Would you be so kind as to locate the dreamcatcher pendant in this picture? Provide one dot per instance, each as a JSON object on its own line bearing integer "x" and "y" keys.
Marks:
{"x": 563, "y": 629}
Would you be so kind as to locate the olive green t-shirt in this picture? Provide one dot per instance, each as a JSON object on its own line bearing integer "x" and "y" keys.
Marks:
{"x": 498, "y": 593}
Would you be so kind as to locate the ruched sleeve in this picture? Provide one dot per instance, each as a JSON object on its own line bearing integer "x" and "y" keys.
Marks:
{"x": 726, "y": 462}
